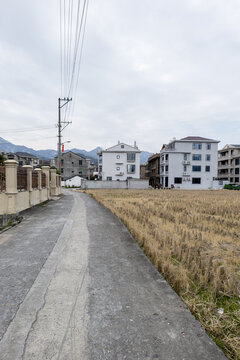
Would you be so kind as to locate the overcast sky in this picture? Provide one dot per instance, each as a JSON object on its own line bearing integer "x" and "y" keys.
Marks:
{"x": 151, "y": 70}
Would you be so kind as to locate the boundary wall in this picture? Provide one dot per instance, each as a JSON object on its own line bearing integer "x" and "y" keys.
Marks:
{"x": 12, "y": 201}
{"x": 113, "y": 184}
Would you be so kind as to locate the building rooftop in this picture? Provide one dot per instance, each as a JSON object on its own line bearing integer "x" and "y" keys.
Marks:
{"x": 25, "y": 154}
{"x": 196, "y": 138}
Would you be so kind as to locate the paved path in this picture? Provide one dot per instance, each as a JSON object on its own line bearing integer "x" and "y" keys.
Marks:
{"x": 75, "y": 285}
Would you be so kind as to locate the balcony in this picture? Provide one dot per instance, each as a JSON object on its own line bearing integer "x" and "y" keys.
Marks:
{"x": 119, "y": 174}
{"x": 224, "y": 166}
{"x": 186, "y": 174}
{"x": 186, "y": 162}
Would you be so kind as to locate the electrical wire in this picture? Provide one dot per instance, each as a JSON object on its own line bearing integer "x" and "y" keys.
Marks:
{"x": 26, "y": 129}
{"x": 73, "y": 17}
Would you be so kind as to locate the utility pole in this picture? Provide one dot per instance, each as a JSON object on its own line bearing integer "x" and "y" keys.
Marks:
{"x": 60, "y": 129}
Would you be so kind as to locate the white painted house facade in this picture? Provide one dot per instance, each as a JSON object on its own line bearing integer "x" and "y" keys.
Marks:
{"x": 119, "y": 162}
{"x": 189, "y": 163}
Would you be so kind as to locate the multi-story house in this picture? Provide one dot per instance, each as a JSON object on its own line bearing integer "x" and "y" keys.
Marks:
{"x": 144, "y": 172}
{"x": 25, "y": 158}
{"x": 73, "y": 164}
{"x": 229, "y": 163}
{"x": 154, "y": 170}
{"x": 189, "y": 163}
{"x": 119, "y": 162}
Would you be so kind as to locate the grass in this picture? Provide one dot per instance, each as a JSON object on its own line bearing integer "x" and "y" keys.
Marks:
{"x": 193, "y": 239}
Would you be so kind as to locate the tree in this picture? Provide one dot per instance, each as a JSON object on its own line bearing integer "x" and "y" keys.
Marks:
{"x": 2, "y": 159}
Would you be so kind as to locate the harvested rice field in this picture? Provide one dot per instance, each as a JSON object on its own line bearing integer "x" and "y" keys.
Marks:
{"x": 193, "y": 239}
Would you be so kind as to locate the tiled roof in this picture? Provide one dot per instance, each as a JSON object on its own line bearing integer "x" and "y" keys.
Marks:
{"x": 25, "y": 154}
{"x": 196, "y": 138}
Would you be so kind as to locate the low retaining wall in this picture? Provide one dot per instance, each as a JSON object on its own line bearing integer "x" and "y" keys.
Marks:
{"x": 105, "y": 184}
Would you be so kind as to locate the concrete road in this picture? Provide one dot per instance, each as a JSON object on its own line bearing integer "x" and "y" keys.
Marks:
{"x": 75, "y": 285}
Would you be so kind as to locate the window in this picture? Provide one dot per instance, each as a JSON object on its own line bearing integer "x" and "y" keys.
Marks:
{"x": 185, "y": 168}
{"x": 185, "y": 157}
{"x": 131, "y": 169}
{"x": 196, "y": 180}
{"x": 100, "y": 168}
{"x": 62, "y": 162}
{"x": 208, "y": 157}
{"x": 237, "y": 171}
{"x": 237, "y": 161}
{"x": 122, "y": 146}
{"x": 72, "y": 163}
{"x": 166, "y": 168}
{"x": 131, "y": 156}
{"x": 178, "y": 180}
{"x": 166, "y": 157}
{"x": 237, "y": 180}
{"x": 208, "y": 146}
{"x": 117, "y": 168}
{"x": 197, "y": 157}
{"x": 80, "y": 162}
{"x": 109, "y": 178}
{"x": 207, "y": 168}
{"x": 20, "y": 163}
{"x": 62, "y": 170}
{"x": 118, "y": 156}
{"x": 196, "y": 168}
{"x": 197, "y": 146}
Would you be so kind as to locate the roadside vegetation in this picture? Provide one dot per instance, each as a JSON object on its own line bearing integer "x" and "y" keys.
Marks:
{"x": 193, "y": 239}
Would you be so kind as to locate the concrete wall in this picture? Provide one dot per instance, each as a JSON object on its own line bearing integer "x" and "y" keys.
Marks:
{"x": 115, "y": 165}
{"x": 176, "y": 164}
{"x": 13, "y": 201}
{"x": 128, "y": 184}
{"x": 74, "y": 181}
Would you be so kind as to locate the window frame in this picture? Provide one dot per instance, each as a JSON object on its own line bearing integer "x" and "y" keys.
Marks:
{"x": 196, "y": 183}
{"x": 196, "y": 166}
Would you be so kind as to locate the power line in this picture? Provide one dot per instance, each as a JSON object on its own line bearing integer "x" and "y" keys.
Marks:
{"x": 76, "y": 49}
{"x": 27, "y": 129}
{"x": 61, "y": 60}
{"x": 80, "y": 58}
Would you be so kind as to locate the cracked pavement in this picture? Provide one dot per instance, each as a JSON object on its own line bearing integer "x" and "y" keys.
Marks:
{"x": 75, "y": 285}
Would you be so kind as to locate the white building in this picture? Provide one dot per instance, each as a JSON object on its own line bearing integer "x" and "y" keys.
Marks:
{"x": 189, "y": 163}
{"x": 119, "y": 162}
{"x": 229, "y": 164}
{"x": 73, "y": 181}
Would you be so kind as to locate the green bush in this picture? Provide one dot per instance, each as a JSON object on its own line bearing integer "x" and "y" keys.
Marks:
{"x": 232, "y": 187}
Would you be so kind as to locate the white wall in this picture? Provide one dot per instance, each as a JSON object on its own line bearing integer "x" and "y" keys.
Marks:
{"x": 74, "y": 181}
{"x": 128, "y": 184}
{"x": 176, "y": 165}
{"x": 110, "y": 163}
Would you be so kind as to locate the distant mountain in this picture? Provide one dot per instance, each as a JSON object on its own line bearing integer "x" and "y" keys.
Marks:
{"x": 92, "y": 153}
{"x": 144, "y": 156}
{"x": 50, "y": 153}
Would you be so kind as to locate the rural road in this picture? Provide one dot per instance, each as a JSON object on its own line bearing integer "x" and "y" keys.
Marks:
{"x": 75, "y": 285}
